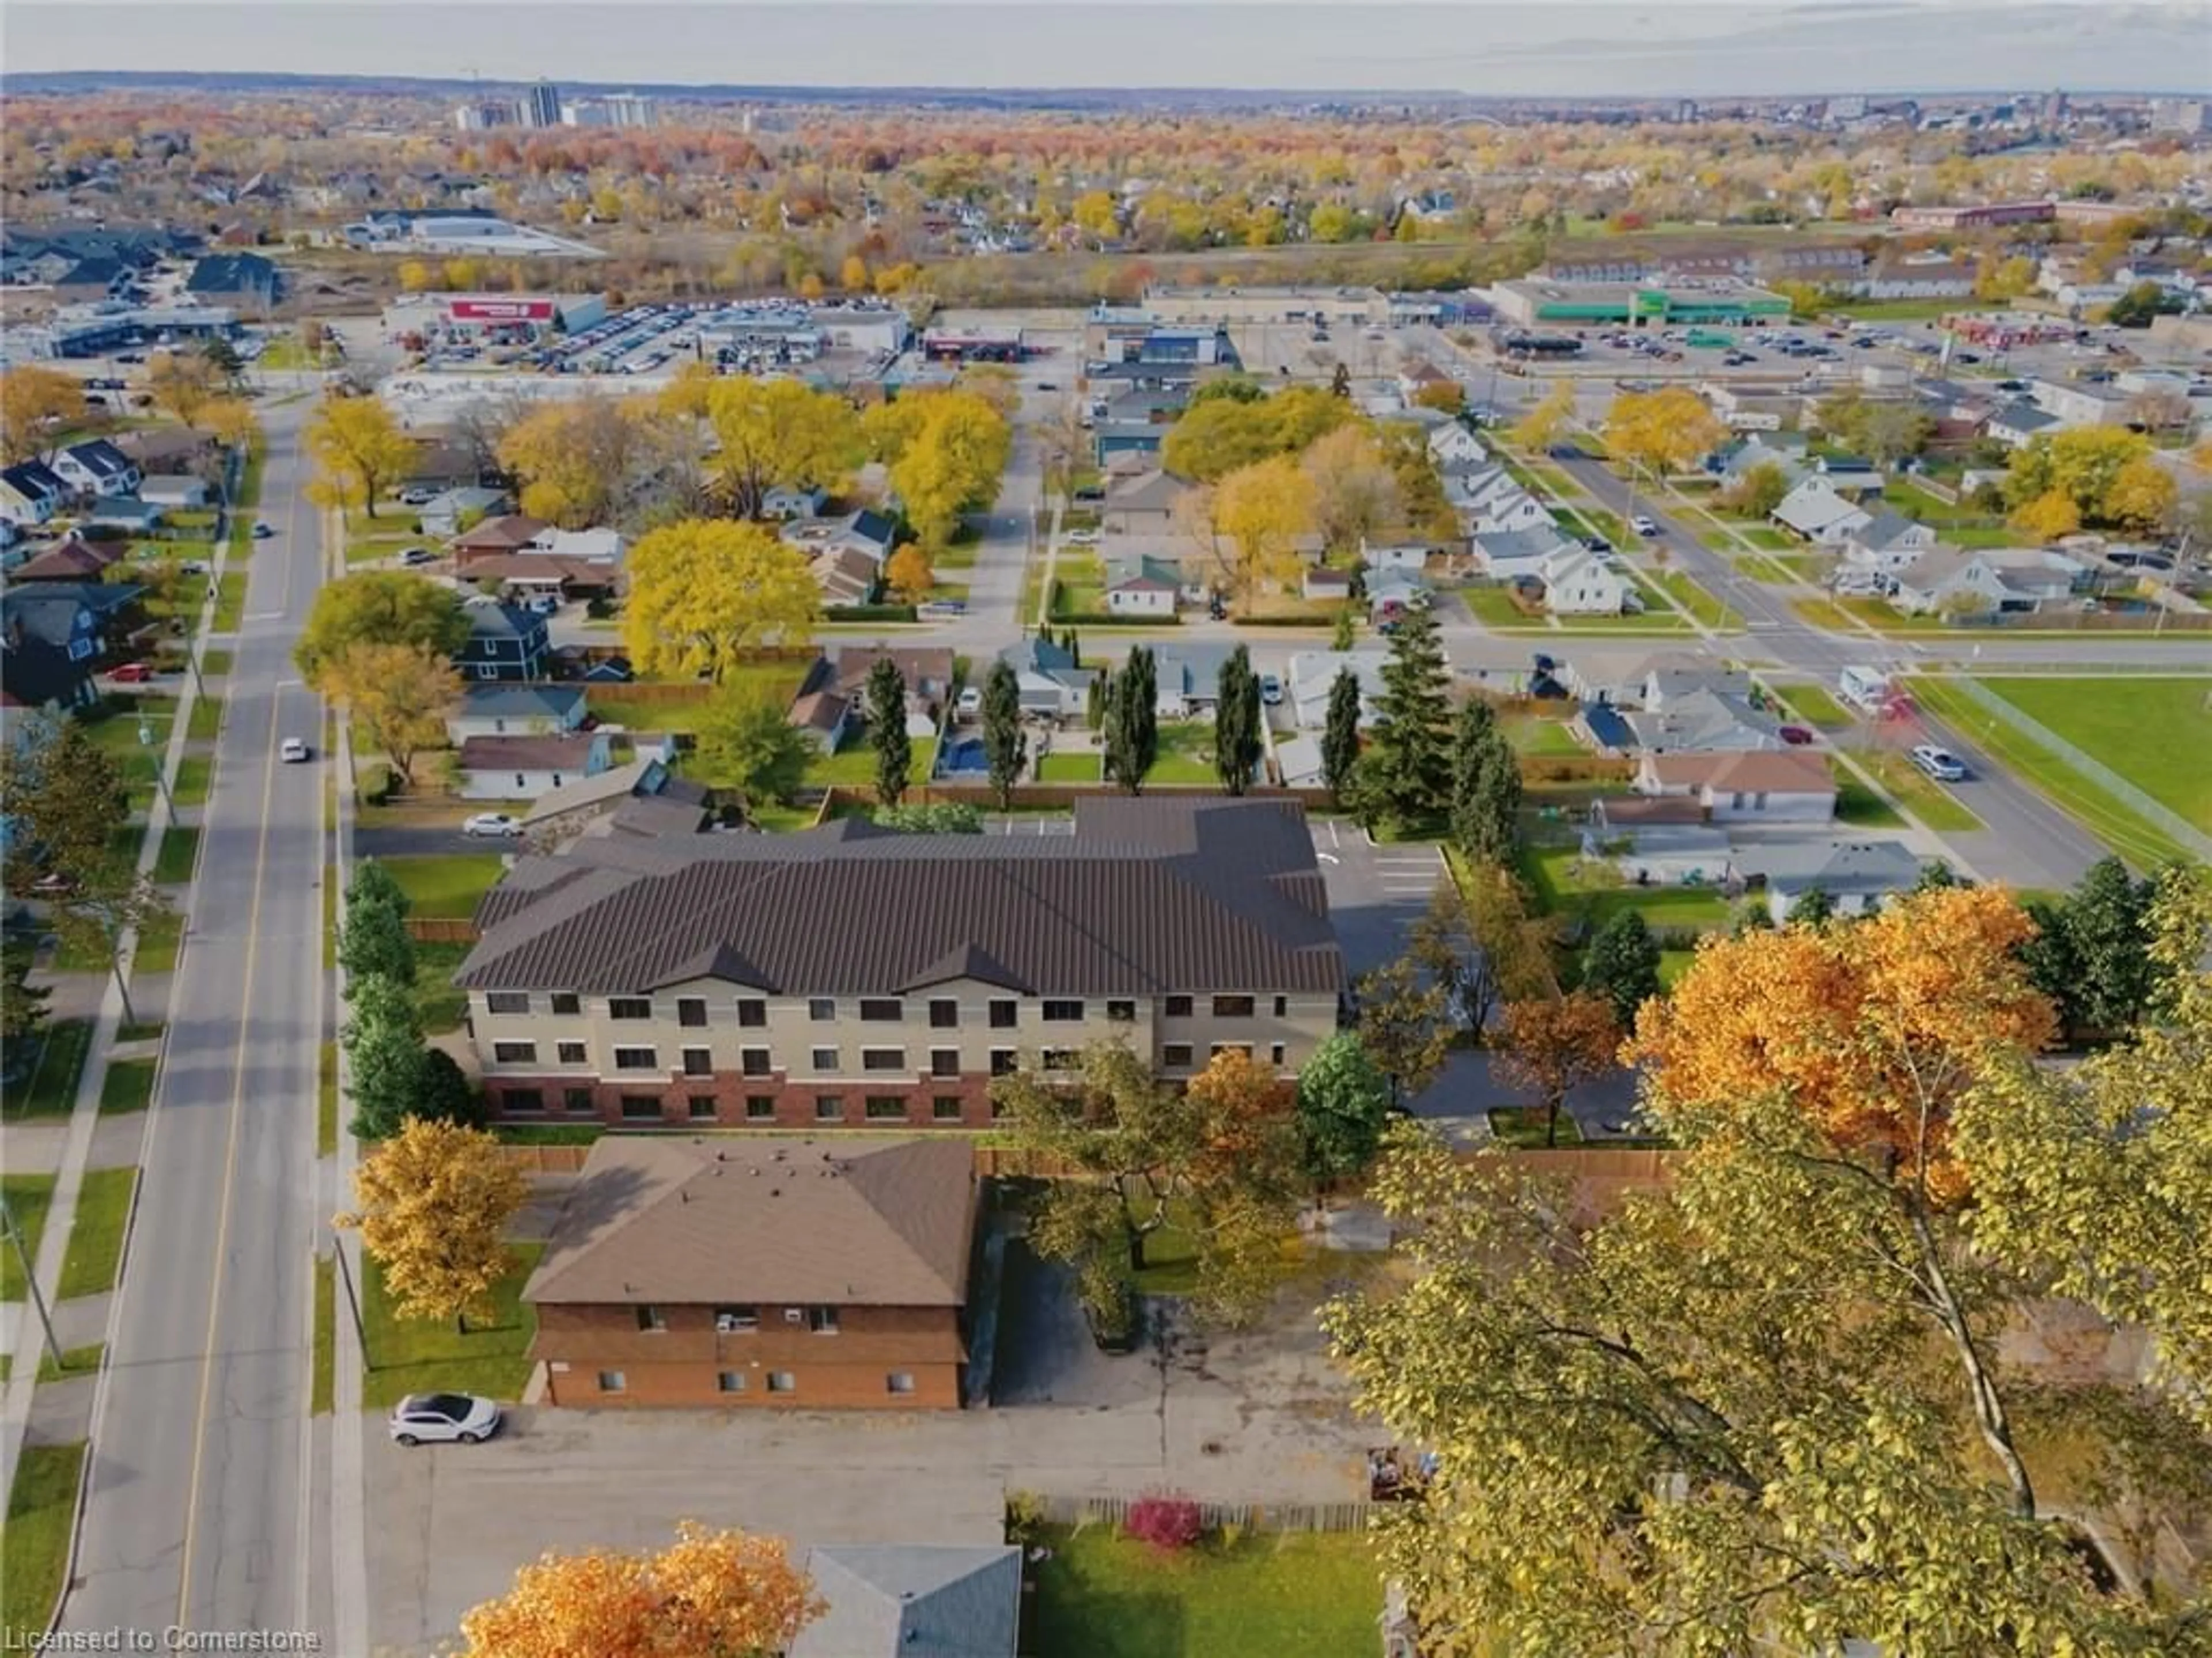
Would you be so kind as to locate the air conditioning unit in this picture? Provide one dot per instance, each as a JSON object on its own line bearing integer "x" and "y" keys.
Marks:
{"x": 794, "y": 1315}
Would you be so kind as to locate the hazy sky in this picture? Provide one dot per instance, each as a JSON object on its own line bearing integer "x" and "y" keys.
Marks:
{"x": 1539, "y": 47}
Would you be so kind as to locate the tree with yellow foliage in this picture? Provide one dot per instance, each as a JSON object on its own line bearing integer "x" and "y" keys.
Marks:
{"x": 1540, "y": 428}
{"x": 853, "y": 274}
{"x": 2047, "y": 517}
{"x": 1262, "y": 510}
{"x": 35, "y": 402}
{"x": 1356, "y": 495}
{"x": 360, "y": 451}
{"x": 2142, "y": 494}
{"x": 909, "y": 574}
{"x": 399, "y": 695}
{"x": 433, "y": 1206}
{"x": 780, "y": 434}
{"x": 416, "y": 276}
{"x": 710, "y": 1595}
{"x": 1663, "y": 431}
{"x": 230, "y": 422}
{"x": 182, "y": 383}
{"x": 953, "y": 455}
{"x": 578, "y": 459}
{"x": 705, "y": 593}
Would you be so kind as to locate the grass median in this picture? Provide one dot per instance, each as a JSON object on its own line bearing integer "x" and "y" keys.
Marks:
{"x": 95, "y": 1245}
{"x": 34, "y": 1549}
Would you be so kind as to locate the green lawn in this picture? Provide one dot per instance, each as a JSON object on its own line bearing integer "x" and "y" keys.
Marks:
{"x": 1814, "y": 706}
{"x": 448, "y": 884}
{"x": 194, "y": 774}
{"x": 128, "y": 1086}
{"x": 1521, "y": 1127}
{"x": 1267, "y": 1595}
{"x": 159, "y": 942}
{"x": 1920, "y": 794}
{"x": 230, "y": 602}
{"x": 28, "y": 1198}
{"x": 1081, "y": 766}
{"x": 1564, "y": 884}
{"x": 777, "y": 680}
{"x": 2144, "y": 729}
{"x": 75, "y": 1361}
{"x": 180, "y": 850}
{"x": 214, "y": 662}
{"x": 1858, "y": 803}
{"x": 48, "y": 1088}
{"x": 409, "y": 1356}
{"x": 1186, "y": 754}
{"x": 1694, "y": 598}
{"x": 207, "y": 718}
{"x": 96, "y": 1245}
{"x": 322, "y": 1386}
{"x": 439, "y": 1005}
{"x": 1494, "y": 608}
{"x": 1535, "y": 734}
{"x": 35, "y": 1544}
{"x": 326, "y": 1100}
{"x": 854, "y": 765}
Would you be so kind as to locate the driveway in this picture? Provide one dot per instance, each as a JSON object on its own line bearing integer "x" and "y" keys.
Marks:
{"x": 1376, "y": 893}
{"x": 426, "y": 842}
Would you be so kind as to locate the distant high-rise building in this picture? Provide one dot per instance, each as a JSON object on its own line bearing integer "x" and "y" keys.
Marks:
{"x": 2054, "y": 109}
{"x": 1686, "y": 111}
{"x": 2176, "y": 115}
{"x": 541, "y": 105}
{"x": 1851, "y": 108}
{"x": 618, "y": 109}
{"x": 484, "y": 113}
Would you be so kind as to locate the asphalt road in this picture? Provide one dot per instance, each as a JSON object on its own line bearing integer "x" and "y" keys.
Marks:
{"x": 198, "y": 1507}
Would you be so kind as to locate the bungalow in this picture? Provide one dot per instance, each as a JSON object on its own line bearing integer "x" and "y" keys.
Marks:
{"x": 2017, "y": 423}
{"x": 1128, "y": 439}
{"x": 1409, "y": 556}
{"x": 1323, "y": 583}
{"x": 1578, "y": 582}
{"x": 1705, "y": 721}
{"x": 515, "y": 711}
{"x": 1187, "y": 679}
{"x": 1675, "y": 855}
{"x": 845, "y": 575}
{"x": 526, "y": 767}
{"x": 504, "y": 642}
{"x": 97, "y": 468}
{"x": 1850, "y": 476}
{"x": 1144, "y": 504}
{"x": 1887, "y": 543}
{"x": 1778, "y": 786}
{"x": 1142, "y": 587}
{"x": 1313, "y": 675}
{"x": 1050, "y": 679}
{"x": 644, "y": 791}
{"x": 452, "y": 513}
{"x": 2003, "y": 579}
{"x": 1814, "y": 511}
{"x": 31, "y": 492}
{"x": 1160, "y": 407}
{"x": 1856, "y": 876}
{"x": 1392, "y": 592}
{"x": 175, "y": 491}
{"x": 494, "y": 537}
{"x": 1783, "y": 451}
{"x": 927, "y": 671}
{"x": 1511, "y": 554}
{"x": 822, "y": 717}
{"x": 125, "y": 513}
{"x": 913, "y": 1601}
{"x": 785, "y": 502}
{"x": 868, "y": 532}
{"x": 71, "y": 559}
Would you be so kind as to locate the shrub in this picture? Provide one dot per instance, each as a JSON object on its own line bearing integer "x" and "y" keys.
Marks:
{"x": 1166, "y": 1520}
{"x": 1024, "y": 1516}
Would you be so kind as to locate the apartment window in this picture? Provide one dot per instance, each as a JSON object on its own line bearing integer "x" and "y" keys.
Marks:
{"x": 822, "y": 1321}
{"x": 736, "y": 1320}
{"x": 1232, "y": 1007}
{"x": 822, "y": 1009}
{"x": 514, "y": 1053}
{"x": 637, "y": 1058}
{"x": 782, "y": 1381}
{"x": 944, "y": 1061}
{"x": 885, "y": 1108}
{"x": 629, "y": 1007}
{"x": 508, "y": 1001}
{"x": 882, "y": 1009}
{"x": 1176, "y": 1056}
{"x": 1275, "y": 1055}
{"x": 613, "y": 1382}
{"x": 568, "y": 1002}
{"x": 1061, "y": 1059}
{"x": 570, "y": 1052}
{"x": 899, "y": 1382}
{"x": 1062, "y": 1012}
{"x": 943, "y": 1014}
{"x": 1178, "y": 1007}
{"x": 652, "y": 1319}
{"x": 578, "y": 1099}
{"x": 641, "y": 1108}
{"x": 703, "y": 1108}
{"x": 698, "y": 1062}
{"x": 1005, "y": 1061}
{"x": 1004, "y": 1015}
{"x": 825, "y": 1058}
{"x": 760, "y": 1108}
{"x": 1121, "y": 1012}
{"x": 946, "y": 1108}
{"x": 515, "y": 1100}
{"x": 729, "y": 1382}
{"x": 1282, "y": 1006}
{"x": 829, "y": 1107}
{"x": 882, "y": 1059}
{"x": 753, "y": 1013}
{"x": 753, "y": 1061}
{"x": 691, "y": 1010}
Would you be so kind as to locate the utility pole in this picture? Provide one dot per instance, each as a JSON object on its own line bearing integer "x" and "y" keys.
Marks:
{"x": 31, "y": 1278}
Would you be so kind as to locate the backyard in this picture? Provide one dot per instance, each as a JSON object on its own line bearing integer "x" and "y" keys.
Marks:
{"x": 1564, "y": 883}
{"x": 1101, "y": 1595}
{"x": 413, "y": 1356}
{"x": 448, "y": 885}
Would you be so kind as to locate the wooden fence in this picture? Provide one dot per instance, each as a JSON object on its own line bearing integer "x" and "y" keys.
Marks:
{"x": 545, "y": 1159}
{"x": 441, "y": 929}
{"x": 1249, "y": 1516}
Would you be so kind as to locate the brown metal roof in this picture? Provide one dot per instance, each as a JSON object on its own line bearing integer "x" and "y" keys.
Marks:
{"x": 1148, "y": 896}
{"x": 776, "y": 1221}
{"x": 1779, "y": 771}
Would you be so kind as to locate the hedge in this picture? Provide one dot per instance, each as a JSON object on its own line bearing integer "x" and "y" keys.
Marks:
{"x": 869, "y": 613}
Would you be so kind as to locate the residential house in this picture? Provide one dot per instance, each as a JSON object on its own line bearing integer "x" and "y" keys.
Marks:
{"x": 1323, "y": 582}
{"x": 1449, "y": 441}
{"x": 83, "y": 620}
{"x": 1814, "y": 511}
{"x": 1187, "y": 679}
{"x": 1783, "y": 451}
{"x": 505, "y": 643}
{"x": 1518, "y": 554}
{"x": 842, "y": 678}
{"x": 97, "y": 468}
{"x": 847, "y": 576}
{"x": 240, "y": 279}
{"x": 851, "y": 974}
{"x": 1313, "y": 675}
{"x": 1705, "y": 721}
{"x": 1850, "y": 476}
{"x": 1391, "y": 593}
{"x": 175, "y": 491}
{"x": 467, "y": 512}
{"x": 1622, "y": 814}
{"x": 1145, "y": 408}
{"x": 71, "y": 559}
{"x": 1417, "y": 378}
{"x": 1976, "y": 580}
{"x": 1142, "y": 587}
{"x": 780, "y": 1274}
{"x": 783, "y": 502}
{"x": 1126, "y": 439}
{"x": 1671, "y": 855}
{"x": 35, "y": 675}
{"x": 1857, "y": 877}
{"x": 525, "y": 767}
{"x": 126, "y": 514}
{"x": 1411, "y": 557}
{"x": 1144, "y": 504}
{"x": 913, "y": 1601}
{"x": 1049, "y": 678}
{"x": 497, "y": 710}
{"x": 643, "y": 798}
{"x": 1772, "y": 785}
{"x": 868, "y": 532}
{"x": 1501, "y": 509}
{"x": 31, "y": 492}
{"x": 167, "y": 449}
{"x": 1887, "y": 543}
{"x": 1578, "y": 582}
{"x": 2084, "y": 404}
{"x": 822, "y": 717}
{"x": 2018, "y": 423}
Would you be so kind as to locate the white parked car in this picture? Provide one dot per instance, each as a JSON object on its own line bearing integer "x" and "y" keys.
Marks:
{"x": 970, "y": 704}
{"x": 1940, "y": 763}
{"x": 428, "y": 1418}
{"x": 1643, "y": 525}
{"x": 1271, "y": 689}
{"x": 495, "y": 824}
{"x": 293, "y": 751}
{"x": 1081, "y": 537}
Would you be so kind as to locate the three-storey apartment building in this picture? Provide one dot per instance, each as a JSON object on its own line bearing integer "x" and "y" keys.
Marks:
{"x": 858, "y": 975}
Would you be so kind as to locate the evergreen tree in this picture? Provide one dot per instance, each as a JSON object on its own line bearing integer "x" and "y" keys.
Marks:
{"x": 1405, "y": 774}
{"x": 373, "y": 942}
{"x": 1132, "y": 734}
{"x": 1097, "y": 712}
{"x": 2108, "y": 931}
{"x": 886, "y": 710}
{"x": 1485, "y": 779}
{"x": 1073, "y": 641}
{"x": 1339, "y": 736}
{"x": 1622, "y": 965}
{"x": 383, "y": 1041}
{"x": 1343, "y": 634}
{"x": 1236, "y": 739}
{"x": 1004, "y": 748}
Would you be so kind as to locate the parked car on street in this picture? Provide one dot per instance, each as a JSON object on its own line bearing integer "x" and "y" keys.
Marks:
{"x": 430, "y": 1419}
{"x": 492, "y": 824}
{"x": 1795, "y": 736}
{"x": 132, "y": 673}
{"x": 262, "y": 531}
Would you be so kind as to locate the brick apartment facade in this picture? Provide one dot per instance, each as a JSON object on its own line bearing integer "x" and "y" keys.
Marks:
{"x": 853, "y": 977}
{"x": 793, "y": 1274}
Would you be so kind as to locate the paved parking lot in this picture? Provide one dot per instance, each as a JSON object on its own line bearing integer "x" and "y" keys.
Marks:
{"x": 1374, "y": 893}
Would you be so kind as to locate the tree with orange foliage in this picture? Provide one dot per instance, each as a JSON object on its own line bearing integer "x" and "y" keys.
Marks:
{"x": 909, "y": 574}
{"x": 1552, "y": 1045}
{"x": 720, "y": 1593}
